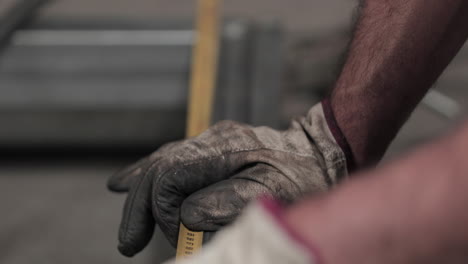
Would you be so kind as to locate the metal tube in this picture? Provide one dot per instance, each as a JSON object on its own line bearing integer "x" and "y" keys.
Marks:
{"x": 15, "y": 17}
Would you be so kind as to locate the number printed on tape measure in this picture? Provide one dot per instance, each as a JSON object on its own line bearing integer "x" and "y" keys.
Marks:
{"x": 190, "y": 242}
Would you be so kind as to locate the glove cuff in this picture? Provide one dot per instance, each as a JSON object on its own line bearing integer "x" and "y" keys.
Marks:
{"x": 276, "y": 212}
{"x": 261, "y": 236}
{"x": 338, "y": 134}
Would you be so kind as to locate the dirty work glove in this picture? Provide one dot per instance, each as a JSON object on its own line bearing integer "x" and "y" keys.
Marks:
{"x": 259, "y": 236}
{"x": 207, "y": 180}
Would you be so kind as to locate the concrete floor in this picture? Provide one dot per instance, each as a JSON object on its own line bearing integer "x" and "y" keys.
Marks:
{"x": 56, "y": 211}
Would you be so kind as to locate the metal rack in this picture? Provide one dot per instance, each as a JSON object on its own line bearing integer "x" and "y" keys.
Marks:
{"x": 91, "y": 84}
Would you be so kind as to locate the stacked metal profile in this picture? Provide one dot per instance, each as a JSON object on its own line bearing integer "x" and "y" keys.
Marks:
{"x": 119, "y": 84}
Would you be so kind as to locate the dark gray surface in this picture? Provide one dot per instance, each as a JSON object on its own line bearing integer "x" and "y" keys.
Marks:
{"x": 267, "y": 77}
{"x": 60, "y": 212}
{"x": 231, "y": 98}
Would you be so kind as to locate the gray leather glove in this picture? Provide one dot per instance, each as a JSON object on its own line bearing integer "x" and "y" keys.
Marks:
{"x": 206, "y": 181}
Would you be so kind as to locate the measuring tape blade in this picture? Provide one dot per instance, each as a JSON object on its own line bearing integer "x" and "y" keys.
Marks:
{"x": 202, "y": 87}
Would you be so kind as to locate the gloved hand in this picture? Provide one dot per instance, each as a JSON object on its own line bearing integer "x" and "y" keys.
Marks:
{"x": 261, "y": 236}
{"x": 206, "y": 181}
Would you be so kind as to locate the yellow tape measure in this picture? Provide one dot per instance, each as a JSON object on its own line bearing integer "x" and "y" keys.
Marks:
{"x": 202, "y": 87}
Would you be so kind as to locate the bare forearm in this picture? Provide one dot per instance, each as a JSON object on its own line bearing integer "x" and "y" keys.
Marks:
{"x": 399, "y": 49}
{"x": 411, "y": 211}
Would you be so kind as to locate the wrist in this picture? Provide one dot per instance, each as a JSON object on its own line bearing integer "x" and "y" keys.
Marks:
{"x": 366, "y": 124}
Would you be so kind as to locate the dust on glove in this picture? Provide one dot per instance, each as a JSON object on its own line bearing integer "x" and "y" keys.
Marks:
{"x": 206, "y": 181}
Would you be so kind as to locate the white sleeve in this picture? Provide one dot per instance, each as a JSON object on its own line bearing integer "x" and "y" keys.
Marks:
{"x": 259, "y": 236}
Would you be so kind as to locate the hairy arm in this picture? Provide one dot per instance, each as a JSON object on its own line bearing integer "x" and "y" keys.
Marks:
{"x": 411, "y": 211}
{"x": 399, "y": 49}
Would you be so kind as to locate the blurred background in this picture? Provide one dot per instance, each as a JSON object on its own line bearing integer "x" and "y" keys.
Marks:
{"x": 89, "y": 86}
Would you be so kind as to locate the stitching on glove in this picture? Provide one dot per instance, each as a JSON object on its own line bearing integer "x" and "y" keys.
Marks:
{"x": 131, "y": 203}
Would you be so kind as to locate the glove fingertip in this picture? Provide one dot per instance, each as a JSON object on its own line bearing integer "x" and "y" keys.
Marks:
{"x": 122, "y": 180}
{"x": 207, "y": 210}
{"x": 137, "y": 225}
{"x": 135, "y": 235}
{"x": 194, "y": 216}
{"x": 126, "y": 250}
{"x": 114, "y": 184}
